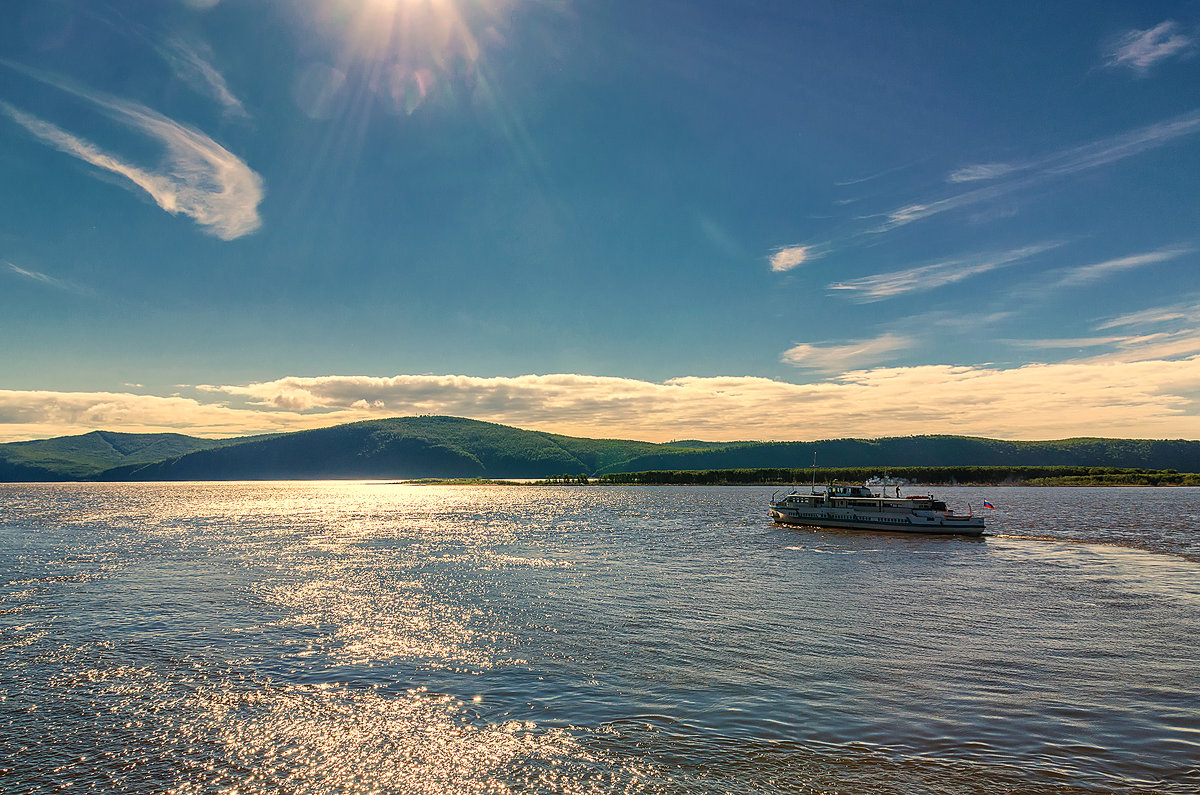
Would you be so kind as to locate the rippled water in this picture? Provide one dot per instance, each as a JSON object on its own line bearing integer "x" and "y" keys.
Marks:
{"x": 334, "y": 637}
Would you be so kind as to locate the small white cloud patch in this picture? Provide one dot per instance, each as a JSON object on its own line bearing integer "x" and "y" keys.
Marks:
{"x": 1142, "y": 49}
{"x": 788, "y": 257}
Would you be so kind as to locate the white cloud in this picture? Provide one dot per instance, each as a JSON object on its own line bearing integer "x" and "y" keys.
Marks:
{"x": 1146, "y": 388}
{"x": 936, "y": 274}
{"x": 1100, "y": 270}
{"x": 33, "y": 414}
{"x": 1187, "y": 310}
{"x": 788, "y": 257}
{"x": 1161, "y": 345}
{"x": 1128, "y": 347}
{"x": 1142, "y": 49}
{"x": 192, "y": 61}
{"x": 845, "y": 356}
{"x": 910, "y": 213}
{"x": 198, "y": 177}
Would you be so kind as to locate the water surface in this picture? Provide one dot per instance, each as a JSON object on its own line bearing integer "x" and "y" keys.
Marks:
{"x": 356, "y": 637}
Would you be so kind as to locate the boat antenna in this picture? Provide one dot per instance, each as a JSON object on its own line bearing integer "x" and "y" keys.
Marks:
{"x": 813, "y": 489}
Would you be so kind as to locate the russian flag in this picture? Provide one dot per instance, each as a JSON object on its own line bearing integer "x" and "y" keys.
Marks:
{"x": 987, "y": 504}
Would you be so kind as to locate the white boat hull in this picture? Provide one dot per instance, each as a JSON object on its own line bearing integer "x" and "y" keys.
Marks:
{"x": 859, "y": 508}
{"x": 957, "y": 525}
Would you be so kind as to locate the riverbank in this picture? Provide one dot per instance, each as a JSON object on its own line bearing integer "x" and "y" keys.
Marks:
{"x": 904, "y": 476}
{"x": 913, "y": 476}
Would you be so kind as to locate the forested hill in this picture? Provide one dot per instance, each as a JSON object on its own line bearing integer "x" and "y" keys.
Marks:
{"x": 406, "y": 447}
{"x": 932, "y": 451}
{"x": 450, "y": 447}
{"x": 82, "y": 457}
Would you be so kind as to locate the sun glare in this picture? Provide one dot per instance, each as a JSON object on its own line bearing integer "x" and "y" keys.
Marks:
{"x": 411, "y": 29}
{"x": 413, "y": 50}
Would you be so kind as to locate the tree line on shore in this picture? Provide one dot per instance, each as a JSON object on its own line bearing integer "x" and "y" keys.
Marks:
{"x": 939, "y": 476}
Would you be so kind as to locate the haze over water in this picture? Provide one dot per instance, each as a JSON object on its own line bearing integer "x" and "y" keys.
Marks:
{"x": 350, "y": 637}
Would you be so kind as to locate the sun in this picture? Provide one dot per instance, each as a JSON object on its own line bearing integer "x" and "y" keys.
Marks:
{"x": 411, "y": 50}
{"x": 411, "y": 29}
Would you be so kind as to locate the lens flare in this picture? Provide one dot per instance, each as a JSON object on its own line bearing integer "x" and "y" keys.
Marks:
{"x": 409, "y": 51}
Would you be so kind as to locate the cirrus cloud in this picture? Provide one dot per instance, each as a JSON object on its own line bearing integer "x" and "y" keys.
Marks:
{"x": 193, "y": 62}
{"x": 197, "y": 177}
{"x": 1140, "y": 50}
{"x": 844, "y": 356}
{"x": 936, "y": 274}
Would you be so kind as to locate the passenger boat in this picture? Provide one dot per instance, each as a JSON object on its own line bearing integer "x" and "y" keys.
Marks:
{"x": 860, "y": 508}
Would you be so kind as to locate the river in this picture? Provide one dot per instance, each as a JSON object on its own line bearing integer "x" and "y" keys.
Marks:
{"x": 328, "y": 637}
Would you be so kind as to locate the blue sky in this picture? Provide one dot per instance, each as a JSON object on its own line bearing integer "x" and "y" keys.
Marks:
{"x": 755, "y": 220}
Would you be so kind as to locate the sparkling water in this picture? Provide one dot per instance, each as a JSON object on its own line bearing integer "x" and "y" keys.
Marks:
{"x": 366, "y": 637}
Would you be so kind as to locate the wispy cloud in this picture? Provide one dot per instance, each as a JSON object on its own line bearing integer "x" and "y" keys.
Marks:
{"x": 49, "y": 281}
{"x": 1073, "y": 159}
{"x": 1003, "y": 180}
{"x": 1163, "y": 345}
{"x": 198, "y": 178}
{"x": 1129, "y": 392}
{"x": 1067, "y": 343}
{"x": 981, "y": 171}
{"x": 1119, "y": 147}
{"x": 871, "y": 177}
{"x": 1126, "y": 348}
{"x": 1015, "y": 176}
{"x": 193, "y": 63}
{"x": 845, "y": 356}
{"x": 936, "y": 274}
{"x": 1187, "y": 310}
{"x": 911, "y": 213}
{"x": 1140, "y": 50}
{"x": 1101, "y": 270}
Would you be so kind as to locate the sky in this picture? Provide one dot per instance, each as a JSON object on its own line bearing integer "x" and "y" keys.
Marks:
{"x": 757, "y": 220}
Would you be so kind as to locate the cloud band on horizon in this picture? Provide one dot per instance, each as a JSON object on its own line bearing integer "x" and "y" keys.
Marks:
{"x": 1129, "y": 393}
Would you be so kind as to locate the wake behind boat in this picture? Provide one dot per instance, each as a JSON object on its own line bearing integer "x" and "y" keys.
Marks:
{"x": 860, "y": 508}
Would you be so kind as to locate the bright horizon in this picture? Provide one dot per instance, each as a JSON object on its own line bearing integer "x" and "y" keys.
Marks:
{"x": 601, "y": 219}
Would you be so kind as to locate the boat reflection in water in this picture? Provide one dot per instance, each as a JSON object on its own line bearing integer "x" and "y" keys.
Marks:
{"x": 861, "y": 508}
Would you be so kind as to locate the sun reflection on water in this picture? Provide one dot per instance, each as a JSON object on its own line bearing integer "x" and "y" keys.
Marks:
{"x": 368, "y": 637}
{"x": 328, "y": 738}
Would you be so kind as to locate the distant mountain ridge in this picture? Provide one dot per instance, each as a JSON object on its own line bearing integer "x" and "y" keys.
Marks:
{"x": 450, "y": 447}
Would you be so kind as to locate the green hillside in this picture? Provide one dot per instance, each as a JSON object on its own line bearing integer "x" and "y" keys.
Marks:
{"x": 81, "y": 457}
{"x": 452, "y": 447}
{"x": 929, "y": 451}
{"x": 407, "y": 447}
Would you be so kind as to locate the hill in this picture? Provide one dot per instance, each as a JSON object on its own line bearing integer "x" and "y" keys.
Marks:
{"x": 84, "y": 456}
{"x": 930, "y": 451}
{"x": 406, "y": 447}
{"x": 453, "y": 447}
